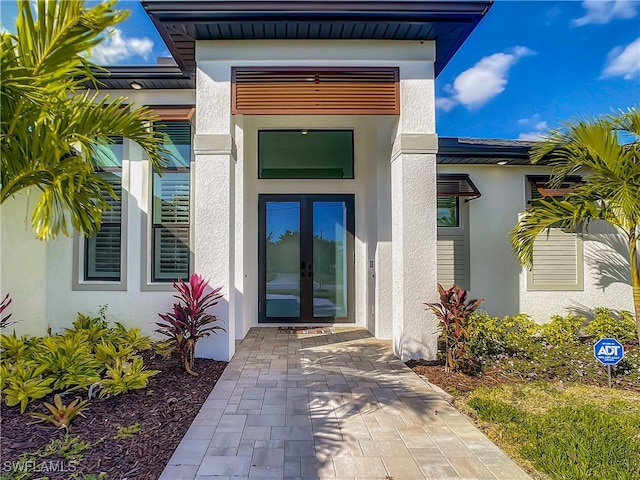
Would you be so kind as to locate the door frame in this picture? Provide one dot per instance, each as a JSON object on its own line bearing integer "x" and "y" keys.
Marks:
{"x": 306, "y": 252}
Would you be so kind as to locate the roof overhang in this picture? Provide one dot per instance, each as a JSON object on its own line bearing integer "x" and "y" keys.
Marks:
{"x": 475, "y": 151}
{"x": 182, "y": 23}
{"x": 146, "y": 77}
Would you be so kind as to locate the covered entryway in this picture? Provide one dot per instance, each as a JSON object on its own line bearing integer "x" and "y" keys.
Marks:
{"x": 364, "y": 70}
{"x": 306, "y": 258}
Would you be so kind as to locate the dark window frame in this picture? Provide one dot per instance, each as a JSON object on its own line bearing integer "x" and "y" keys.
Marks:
{"x": 309, "y": 130}
{"x": 157, "y": 227}
{"x": 86, "y": 274}
{"x": 457, "y": 211}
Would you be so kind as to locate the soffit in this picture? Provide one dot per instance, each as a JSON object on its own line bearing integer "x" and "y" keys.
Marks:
{"x": 182, "y": 23}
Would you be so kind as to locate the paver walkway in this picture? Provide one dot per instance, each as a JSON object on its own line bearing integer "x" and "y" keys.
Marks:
{"x": 337, "y": 405}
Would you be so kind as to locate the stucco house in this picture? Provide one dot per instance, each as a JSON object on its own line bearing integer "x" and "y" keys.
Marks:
{"x": 308, "y": 179}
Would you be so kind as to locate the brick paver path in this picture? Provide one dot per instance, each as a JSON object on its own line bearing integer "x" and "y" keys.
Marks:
{"x": 337, "y": 405}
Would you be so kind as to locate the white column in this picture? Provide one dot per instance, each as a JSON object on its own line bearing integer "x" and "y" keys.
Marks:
{"x": 414, "y": 244}
{"x": 214, "y": 199}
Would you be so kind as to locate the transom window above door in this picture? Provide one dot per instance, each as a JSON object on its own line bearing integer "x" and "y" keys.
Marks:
{"x": 304, "y": 154}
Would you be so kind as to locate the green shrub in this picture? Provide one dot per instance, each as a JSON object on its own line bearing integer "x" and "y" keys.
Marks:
{"x": 25, "y": 381}
{"x": 107, "y": 353}
{"x": 605, "y": 324}
{"x": 88, "y": 353}
{"x": 68, "y": 360}
{"x": 492, "y": 336}
{"x": 129, "y": 337}
{"x": 14, "y": 348}
{"x": 95, "y": 328}
{"x": 562, "y": 330}
{"x": 125, "y": 376}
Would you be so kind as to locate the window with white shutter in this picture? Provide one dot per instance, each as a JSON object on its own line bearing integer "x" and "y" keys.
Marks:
{"x": 454, "y": 191}
{"x": 558, "y": 257}
{"x": 103, "y": 251}
{"x": 170, "y": 209}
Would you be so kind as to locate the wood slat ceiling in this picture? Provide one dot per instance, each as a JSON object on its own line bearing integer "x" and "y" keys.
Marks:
{"x": 328, "y": 91}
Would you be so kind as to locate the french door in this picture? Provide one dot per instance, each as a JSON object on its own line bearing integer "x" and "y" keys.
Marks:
{"x": 306, "y": 258}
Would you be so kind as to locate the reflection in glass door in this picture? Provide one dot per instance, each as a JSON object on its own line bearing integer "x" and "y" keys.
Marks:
{"x": 306, "y": 258}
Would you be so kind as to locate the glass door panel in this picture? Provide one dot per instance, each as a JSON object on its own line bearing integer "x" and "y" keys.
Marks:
{"x": 282, "y": 259}
{"x": 329, "y": 259}
{"x": 305, "y": 258}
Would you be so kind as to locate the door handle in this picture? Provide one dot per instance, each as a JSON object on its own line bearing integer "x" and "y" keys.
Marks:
{"x": 308, "y": 268}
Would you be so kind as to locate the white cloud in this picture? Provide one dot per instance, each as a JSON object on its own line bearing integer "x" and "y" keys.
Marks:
{"x": 603, "y": 11}
{"x": 623, "y": 61}
{"x": 531, "y": 136}
{"x": 117, "y": 47}
{"x": 444, "y": 103}
{"x": 537, "y": 128}
{"x": 482, "y": 82}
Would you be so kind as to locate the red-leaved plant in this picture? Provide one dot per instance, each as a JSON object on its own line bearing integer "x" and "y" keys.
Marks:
{"x": 4, "y": 320}
{"x": 453, "y": 312}
{"x": 189, "y": 321}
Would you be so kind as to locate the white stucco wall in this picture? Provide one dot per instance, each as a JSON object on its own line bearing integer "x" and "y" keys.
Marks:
{"x": 23, "y": 266}
{"x": 495, "y": 274}
{"x": 135, "y": 306}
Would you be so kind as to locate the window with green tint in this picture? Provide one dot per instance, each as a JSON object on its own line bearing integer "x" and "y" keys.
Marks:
{"x": 448, "y": 212}
{"x": 305, "y": 154}
{"x": 109, "y": 155}
{"x": 179, "y": 145}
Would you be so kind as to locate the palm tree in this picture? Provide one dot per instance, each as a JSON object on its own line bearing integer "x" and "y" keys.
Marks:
{"x": 52, "y": 125}
{"x": 606, "y": 151}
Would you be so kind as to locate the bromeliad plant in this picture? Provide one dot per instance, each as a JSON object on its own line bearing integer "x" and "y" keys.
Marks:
{"x": 189, "y": 321}
{"x": 61, "y": 415}
{"x": 453, "y": 313}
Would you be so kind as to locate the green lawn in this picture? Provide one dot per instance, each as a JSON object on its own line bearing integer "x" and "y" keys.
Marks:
{"x": 568, "y": 432}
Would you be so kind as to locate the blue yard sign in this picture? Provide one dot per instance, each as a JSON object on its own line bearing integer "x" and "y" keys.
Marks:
{"x": 608, "y": 351}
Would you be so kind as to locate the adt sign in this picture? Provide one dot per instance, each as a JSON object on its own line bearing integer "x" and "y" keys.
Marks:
{"x": 609, "y": 351}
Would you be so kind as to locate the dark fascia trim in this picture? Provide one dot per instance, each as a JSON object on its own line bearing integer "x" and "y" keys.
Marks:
{"x": 237, "y": 11}
{"x": 219, "y": 9}
{"x": 452, "y": 147}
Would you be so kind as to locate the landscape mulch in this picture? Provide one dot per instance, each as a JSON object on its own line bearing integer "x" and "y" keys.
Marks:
{"x": 454, "y": 382}
{"x": 164, "y": 410}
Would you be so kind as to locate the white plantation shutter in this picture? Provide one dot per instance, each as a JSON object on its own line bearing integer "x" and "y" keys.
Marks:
{"x": 452, "y": 260}
{"x": 170, "y": 228}
{"x": 557, "y": 262}
{"x": 171, "y": 198}
{"x": 172, "y": 253}
{"x": 103, "y": 251}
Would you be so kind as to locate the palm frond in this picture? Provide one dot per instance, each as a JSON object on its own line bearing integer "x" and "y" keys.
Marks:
{"x": 545, "y": 215}
{"x": 49, "y": 132}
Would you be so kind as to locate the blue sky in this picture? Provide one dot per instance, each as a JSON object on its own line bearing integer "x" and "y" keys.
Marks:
{"x": 530, "y": 65}
{"x": 527, "y": 67}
